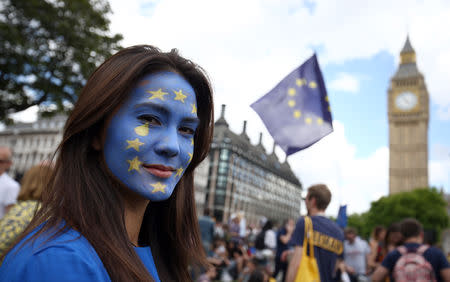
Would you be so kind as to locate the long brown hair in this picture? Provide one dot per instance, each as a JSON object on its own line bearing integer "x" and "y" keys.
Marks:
{"x": 82, "y": 195}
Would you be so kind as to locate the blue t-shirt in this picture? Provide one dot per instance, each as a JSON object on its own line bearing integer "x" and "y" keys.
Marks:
{"x": 433, "y": 255}
{"x": 328, "y": 241}
{"x": 68, "y": 257}
{"x": 281, "y": 247}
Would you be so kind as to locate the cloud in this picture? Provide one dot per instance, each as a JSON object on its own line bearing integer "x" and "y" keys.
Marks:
{"x": 345, "y": 82}
{"x": 353, "y": 181}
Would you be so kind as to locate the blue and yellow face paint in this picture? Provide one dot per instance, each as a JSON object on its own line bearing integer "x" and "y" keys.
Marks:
{"x": 149, "y": 141}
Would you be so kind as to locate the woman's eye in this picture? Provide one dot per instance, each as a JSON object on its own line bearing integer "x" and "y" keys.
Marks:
{"x": 186, "y": 130}
{"x": 150, "y": 119}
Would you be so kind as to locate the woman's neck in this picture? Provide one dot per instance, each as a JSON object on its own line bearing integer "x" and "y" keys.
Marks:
{"x": 135, "y": 206}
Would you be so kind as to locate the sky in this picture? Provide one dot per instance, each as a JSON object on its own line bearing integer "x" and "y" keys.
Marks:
{"x": 247, "y": 47}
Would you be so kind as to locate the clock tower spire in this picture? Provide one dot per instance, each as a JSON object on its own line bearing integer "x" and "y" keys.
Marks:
{"x": 408, "y": 114}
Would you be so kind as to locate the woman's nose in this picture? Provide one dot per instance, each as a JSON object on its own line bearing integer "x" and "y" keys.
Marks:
{"x": 168, "y": 144}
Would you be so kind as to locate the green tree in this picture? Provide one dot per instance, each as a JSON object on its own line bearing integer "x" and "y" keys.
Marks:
{"x": 48, "y": 49}
{"x": 359, "y": 221}
{"x": 426, "y": 205}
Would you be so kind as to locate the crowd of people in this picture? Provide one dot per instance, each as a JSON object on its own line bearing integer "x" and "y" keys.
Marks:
{"x": 341, "y": 255}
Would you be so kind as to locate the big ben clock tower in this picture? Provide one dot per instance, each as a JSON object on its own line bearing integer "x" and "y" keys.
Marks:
{"x": 408, "y": 125}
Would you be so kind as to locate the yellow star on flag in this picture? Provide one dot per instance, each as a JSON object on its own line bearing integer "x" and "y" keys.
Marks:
{"x": 329, "y": 108}
{"x": 134, "y": 144}
{"x": 308, "y": 120}
{"x": 291, "y": 92}
{"x": 159, "y": 94}
{"x": 326, "y": 98}
{"x": 194, "y": 109}
{"x": 179, "y": 171}
{"x": 190, "y": 157}
{"x": 134, "y": 164}
{"x": 291, "y": 103}
{"x": 299, "y": 82}
{"x": 312, "y": 84}
{"x": 158, "y": 187}
{"x": 319, "y": 121}
{"x": 179, "y": 96}
{"x": 297, "y": 114}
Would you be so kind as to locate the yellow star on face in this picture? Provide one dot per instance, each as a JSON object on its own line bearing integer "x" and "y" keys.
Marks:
{"x": 291, "y": 103}
{"x": 194, "y": 109}
{"x": 312, "y": 84}
{"x": 158, "y": 187}
{"x": 192, "y": 141}
{"x": 319, "y": 121}
{"x": 159, "y": 94}
{"x": 299, "y": 82}
{"x": 142, "y": 130}
{"x": 134, "y": 164}
{"x": 179, "y": 96}
{"x": 179, "y": 171}
{"x": 134, "y": 144}
{"x": 291, "y": 92}
{"x": 297, "y": 114}
{"x": 190, "y": 157}
{"x": 308, "y": 120}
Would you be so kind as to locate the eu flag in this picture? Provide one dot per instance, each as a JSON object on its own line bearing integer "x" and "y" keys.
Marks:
{"x": 341, "y": 219}
{"x": 296, "y": 112}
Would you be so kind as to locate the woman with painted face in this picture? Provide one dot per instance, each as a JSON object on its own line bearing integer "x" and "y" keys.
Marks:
{"x": 120, "y": 205}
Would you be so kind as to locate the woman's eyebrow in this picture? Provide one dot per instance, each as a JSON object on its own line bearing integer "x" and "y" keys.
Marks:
{"x": 154, "y": 106}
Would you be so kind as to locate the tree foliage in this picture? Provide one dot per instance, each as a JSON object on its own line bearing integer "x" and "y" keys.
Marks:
{"x": 426, "y": 205}
{"x": 48, "y": 49}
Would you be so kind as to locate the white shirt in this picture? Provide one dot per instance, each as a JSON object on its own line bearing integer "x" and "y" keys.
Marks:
{"x": 270, "y": 239}
{"x": 9, "y": 190}
{"x": 355, "y": 254}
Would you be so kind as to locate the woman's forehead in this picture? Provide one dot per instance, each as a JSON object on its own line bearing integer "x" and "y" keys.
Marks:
{"x": 165, "y": 88}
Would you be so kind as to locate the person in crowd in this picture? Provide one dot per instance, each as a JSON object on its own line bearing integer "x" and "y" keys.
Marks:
{"x": 120, "y": 205}
{"x": 209, "y": 275}
{"x": 376, "y": 244}
{"x": 328, "y": 237}
{"x": 356, "y": 254}
{"x": 393, "y": 238}
{"x": 218, "y": 230}
{"x": 9, "y": 188}
{"x": 19, "y": 216}
{"x": 206, "y": 224}
{"x": 235, "y": 228}
{"x": 434, "y": 266}
{"x": 283, "y": 237}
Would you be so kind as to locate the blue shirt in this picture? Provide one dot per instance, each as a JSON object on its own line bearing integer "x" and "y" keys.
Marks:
{"x": 281, "y": 247}
{"x": 328, "y": 243}
{"x": 68, "y": 257}
{"x": 433, "y": 255}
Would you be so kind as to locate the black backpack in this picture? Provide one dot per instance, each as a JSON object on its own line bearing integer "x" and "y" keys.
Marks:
{"x": 259, "y": 241}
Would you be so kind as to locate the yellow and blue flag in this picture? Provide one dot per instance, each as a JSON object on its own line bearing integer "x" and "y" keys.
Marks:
{"x": 297, "y": 111}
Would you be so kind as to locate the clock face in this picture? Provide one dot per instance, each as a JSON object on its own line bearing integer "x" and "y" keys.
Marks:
{"x": 406, "y": 101}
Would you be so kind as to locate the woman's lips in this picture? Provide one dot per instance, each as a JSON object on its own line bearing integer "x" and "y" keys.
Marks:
{"x": 160, "y": 171}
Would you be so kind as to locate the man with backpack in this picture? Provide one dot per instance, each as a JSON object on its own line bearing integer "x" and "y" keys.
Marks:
{"x": 413, "y": 261}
